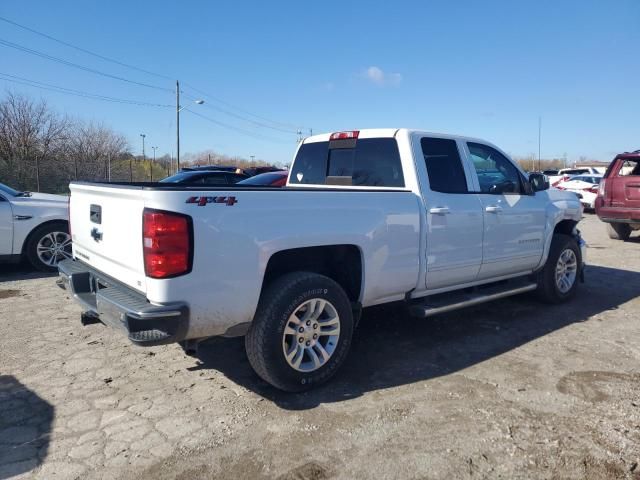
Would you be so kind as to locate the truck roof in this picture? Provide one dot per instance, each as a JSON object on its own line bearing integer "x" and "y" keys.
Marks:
{"x": 390, "y": 133}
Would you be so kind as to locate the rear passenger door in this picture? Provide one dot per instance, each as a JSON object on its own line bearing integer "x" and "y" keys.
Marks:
{"x": 514, "y": 217}
{"x": 454, "y": 215}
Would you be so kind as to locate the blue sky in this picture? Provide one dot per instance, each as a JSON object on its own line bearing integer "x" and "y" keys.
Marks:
{"x": 487, "y": 69}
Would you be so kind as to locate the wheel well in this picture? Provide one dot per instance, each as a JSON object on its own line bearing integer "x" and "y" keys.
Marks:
{"x": 565, "y": 227}
{"x": 48, "y": 222}
{"x": 341, "y": 263}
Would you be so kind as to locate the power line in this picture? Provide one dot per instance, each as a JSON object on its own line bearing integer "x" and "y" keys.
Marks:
{"x": 240, "y": 117}
{"x": 81, "y": 67}
{"x": 275, "y": 125}
{"x": 230, "y": 105}
{"x": 237, "y": 129}
{"x": 78, "y": 93}
{"x": 84, "y": 50}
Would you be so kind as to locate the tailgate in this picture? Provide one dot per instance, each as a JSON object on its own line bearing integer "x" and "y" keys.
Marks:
{"x": 106, "y": 228}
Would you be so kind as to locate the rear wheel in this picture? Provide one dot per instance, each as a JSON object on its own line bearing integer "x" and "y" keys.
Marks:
{"x": 301, "y": 332}
{"x": 619, "y": 231}
{"x": 48, "y": 245}
{"x": 558, "y": 280}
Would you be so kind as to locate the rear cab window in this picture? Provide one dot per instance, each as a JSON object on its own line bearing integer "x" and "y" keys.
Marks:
{"x": 364, "y": 162}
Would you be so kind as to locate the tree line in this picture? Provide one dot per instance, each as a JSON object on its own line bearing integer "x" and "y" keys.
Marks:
{"x": 43, "y": 150}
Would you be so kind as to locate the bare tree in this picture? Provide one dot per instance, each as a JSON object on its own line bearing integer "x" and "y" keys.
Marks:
{"x": 30, "y": 134}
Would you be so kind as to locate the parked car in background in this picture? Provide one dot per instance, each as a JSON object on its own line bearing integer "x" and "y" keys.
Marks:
{"x": 34, "y": 226}
{"x": 205, "y": 177}
{"x": 252, "y": 171}
{"x": 218, "y": 168}
{"x": 565, "y": 174}
{"x": 618, "y": 201}
{"x": 269, "y": 179}
{"x": 367, "y": 217}
{"x": 550, "y": 173}
{"x": 585, "y": 186}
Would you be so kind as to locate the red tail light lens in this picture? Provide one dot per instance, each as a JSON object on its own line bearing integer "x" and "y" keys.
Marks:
{"x": 345, "y": 135}
{"x": 167, "y": 243}
{"x": 602, "y": 187}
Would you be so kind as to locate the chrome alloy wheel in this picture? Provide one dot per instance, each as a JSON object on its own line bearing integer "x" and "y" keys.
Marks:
{"x": 311, "y": 335}
{"x": 53, "y": 248}
{"x": 566, "y": 270}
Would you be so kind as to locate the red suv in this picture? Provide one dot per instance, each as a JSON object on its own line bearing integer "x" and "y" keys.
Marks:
{"x": 618, "y": 201}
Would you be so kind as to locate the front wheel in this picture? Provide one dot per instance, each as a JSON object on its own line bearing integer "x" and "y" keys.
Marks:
{"x": 301, "y": 332}
{"x": 558, "y": 280}
{"x": 48, "y": 245}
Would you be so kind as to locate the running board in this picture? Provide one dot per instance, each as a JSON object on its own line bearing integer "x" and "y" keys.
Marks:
{"x": 446, "y": 302}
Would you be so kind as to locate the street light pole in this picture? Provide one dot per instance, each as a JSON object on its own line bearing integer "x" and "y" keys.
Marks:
{"x": 177, "y": 125}
{"x": 154, "y": 161}
{"x": 178, "y": 109}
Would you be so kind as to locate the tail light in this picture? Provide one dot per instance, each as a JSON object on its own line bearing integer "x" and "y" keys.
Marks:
{"x": 593, "y": 189}
{"x": 167, "y": 243}
{"x": 69, "y": 215}
{"x": 345, "y": 135}
{"x": 602, "y": 188}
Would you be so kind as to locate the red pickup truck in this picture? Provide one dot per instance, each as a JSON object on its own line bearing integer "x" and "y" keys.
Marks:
{"x": 618, "y": 201}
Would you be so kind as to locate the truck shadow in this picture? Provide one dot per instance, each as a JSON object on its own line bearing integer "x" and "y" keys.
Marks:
{"x": 391, "y": 348}
{"x": 21, "y": 271}
{"x": 25, "y": 426}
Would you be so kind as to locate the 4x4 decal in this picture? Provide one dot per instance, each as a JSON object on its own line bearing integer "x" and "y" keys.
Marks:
{"x": 202, "y": 201}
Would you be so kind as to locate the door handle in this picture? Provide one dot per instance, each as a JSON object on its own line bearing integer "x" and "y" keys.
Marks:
{"x": 439, "y": 210}
{"x": 493, "y": 209}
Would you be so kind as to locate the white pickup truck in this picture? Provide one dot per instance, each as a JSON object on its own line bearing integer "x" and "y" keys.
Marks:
{"x": 367, "y": 217}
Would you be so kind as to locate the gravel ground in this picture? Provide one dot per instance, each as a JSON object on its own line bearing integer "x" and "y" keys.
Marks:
{"x": 512, "y": 389}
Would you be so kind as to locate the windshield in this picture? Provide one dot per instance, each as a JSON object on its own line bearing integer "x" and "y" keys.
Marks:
{"x": 9, "y": 190}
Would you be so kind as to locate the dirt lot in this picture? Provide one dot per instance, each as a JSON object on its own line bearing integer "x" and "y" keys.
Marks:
{"x": 513, "y": 389}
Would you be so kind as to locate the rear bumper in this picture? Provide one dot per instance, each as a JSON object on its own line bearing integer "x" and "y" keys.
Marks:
{"x": 121, "y": 307}
{"x": 617, "y": 214}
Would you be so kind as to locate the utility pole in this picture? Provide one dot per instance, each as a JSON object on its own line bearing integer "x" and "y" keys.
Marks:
{"x": 154, "y": 162}
{"x": 143, "y": 157}
{"x": 209, "y": 155}
{"x": 177, "y": 125}
{"x": 539, "y": 142}
{"x": 252, "y": 157}
{"x": 109, "y": 167}
{"x": 131, "y": 168}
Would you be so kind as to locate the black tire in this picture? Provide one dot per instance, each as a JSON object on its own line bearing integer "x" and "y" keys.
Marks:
{"x": 619, "y": 231}
{"x": 264, "y": 341}
{"x": 548, "y": 290}
{"x": 31, "y": 247}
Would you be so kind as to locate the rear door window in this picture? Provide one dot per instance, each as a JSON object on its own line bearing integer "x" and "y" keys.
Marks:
{"x": 370, "y": 162}
{"x": 444, "y": 165}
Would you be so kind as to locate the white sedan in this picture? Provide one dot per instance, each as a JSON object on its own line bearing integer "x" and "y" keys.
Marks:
{"x": 585, "y": 186}
{"x": 34, "y": 226}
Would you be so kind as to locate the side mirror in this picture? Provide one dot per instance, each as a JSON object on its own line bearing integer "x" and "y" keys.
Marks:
{"x": 538, "y": 182}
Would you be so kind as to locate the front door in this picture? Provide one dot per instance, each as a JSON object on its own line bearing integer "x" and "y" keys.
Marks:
{"x": 514, "y": 220}
{"x": 454, "y": 216}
